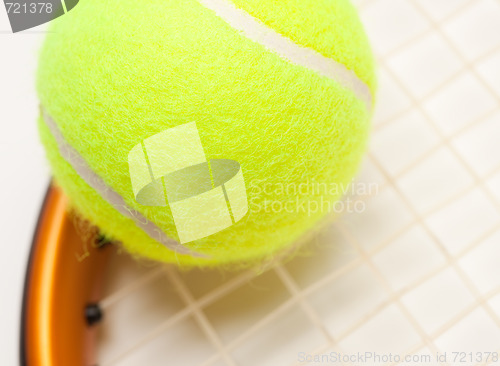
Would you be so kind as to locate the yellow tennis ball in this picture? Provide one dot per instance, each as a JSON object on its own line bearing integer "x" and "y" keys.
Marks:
{"x": 205, "y": 132}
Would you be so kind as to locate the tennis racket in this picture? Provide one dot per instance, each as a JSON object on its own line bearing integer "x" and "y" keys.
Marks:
{"x": 413, "y": 272}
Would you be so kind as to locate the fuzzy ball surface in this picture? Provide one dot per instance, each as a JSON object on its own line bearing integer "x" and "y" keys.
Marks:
{"x": 113, "y": 73}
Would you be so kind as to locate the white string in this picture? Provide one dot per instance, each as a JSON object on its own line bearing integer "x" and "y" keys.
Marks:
{"x": 300, "y": 296}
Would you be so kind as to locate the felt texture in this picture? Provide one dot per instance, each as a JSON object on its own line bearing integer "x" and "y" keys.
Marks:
{"x": 330, "y": 27}
{"x": 112, "y": 73}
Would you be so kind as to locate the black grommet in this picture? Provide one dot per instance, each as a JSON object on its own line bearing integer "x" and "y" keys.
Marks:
{"x": 101, "y": 241}
{"x": 93, "y": 314}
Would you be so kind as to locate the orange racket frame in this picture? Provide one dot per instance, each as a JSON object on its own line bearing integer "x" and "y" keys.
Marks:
{"x": 59, "y": 287}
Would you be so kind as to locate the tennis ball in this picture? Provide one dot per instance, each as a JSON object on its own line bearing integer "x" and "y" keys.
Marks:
{"x": 205, "y": 132}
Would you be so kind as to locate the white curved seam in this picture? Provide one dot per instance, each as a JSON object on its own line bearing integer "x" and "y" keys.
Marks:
{"x": 81, "y": 167}
{"x": 284, "y": 47}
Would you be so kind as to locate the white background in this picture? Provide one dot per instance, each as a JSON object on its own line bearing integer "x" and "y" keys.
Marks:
{"x": 24, "y": 174}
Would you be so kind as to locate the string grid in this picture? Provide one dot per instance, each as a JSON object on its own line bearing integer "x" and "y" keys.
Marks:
{"x": 415, "y": 273}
